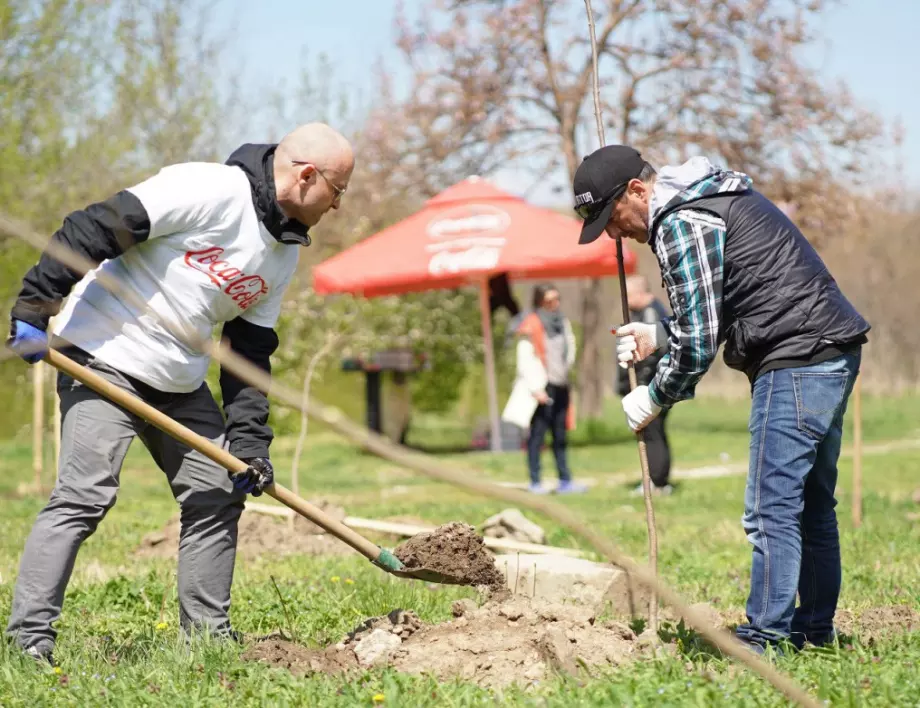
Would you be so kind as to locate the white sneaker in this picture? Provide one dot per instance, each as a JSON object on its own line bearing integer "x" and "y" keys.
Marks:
{"x": 664, "y": 491}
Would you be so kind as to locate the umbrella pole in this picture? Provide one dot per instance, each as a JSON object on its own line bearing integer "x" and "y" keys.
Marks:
{"x": 491, "y": 387}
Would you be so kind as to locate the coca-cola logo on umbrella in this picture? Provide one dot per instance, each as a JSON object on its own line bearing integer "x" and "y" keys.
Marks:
{"x": 466, "y": 238}
{"x": 468, "y": 220}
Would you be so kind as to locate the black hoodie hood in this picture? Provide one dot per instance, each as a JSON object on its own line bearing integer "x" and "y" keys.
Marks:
{"x": 257, "y": 162}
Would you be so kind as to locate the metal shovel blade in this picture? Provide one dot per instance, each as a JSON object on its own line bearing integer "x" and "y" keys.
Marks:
{"x": 391, "y": 564}
{"x": 429, "y": 576}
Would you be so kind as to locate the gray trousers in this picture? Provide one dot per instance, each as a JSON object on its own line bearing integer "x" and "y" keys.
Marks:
{"x": 95, "y": 435}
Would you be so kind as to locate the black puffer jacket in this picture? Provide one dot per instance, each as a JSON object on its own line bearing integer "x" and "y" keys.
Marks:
{"x": 781, "y": 307}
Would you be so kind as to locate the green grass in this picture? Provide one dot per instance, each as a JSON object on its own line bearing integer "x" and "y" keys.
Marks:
{"x": 114, "y": 649}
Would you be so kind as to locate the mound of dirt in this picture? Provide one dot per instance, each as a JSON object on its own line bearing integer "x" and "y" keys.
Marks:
{"x": 453, "y": 549}
{"x": 516, "y": 640}
{"x": 259, "y": 534}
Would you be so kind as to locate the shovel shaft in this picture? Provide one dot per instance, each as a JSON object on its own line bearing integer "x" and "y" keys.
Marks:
{"x": 135, "y": 405}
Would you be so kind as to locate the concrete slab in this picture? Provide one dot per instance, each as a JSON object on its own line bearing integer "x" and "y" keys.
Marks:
{"x": 558, "y": 578}
{"x": 511, "y": 523}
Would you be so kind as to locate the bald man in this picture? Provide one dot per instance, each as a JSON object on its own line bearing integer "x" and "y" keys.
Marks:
{"x": 206, "y": 245}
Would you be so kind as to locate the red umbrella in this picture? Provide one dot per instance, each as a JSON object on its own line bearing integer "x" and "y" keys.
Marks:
{"x": 467, "y": 232}
{"x": 463, "y": 236}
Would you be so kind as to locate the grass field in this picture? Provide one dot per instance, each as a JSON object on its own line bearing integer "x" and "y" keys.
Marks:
{"x": 119, "y": 644}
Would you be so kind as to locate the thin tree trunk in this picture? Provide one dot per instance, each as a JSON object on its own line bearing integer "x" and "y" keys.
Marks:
{"x": 304, "y": 420}
{"x": 590, "y": 374}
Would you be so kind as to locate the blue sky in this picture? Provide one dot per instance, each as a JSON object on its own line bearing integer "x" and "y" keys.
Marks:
{"x": 871, "y": 44}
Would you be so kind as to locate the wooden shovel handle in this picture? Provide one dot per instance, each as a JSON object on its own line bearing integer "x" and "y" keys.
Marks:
{"x": 135, "y": 405}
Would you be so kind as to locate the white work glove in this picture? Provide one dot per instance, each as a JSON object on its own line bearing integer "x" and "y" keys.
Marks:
{"x": 637, "y": 341}
{"x": 640, "y": 409}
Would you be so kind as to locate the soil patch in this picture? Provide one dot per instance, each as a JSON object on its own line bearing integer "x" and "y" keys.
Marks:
{"x": 453, "y": 549}
{"x": 515, "y": 640}
{"x": 297, "y": 659}
{"x": 259, "y": 534}
{"x": 877, "y": 622}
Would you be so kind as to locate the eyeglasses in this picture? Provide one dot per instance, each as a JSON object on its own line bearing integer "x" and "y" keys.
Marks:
{"x": 336, "y": 190}
{"x": 586, "y": 211}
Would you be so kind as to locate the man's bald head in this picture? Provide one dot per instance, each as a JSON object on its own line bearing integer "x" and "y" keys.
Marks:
{"x": 318, "y": 141}
{"x": 313, "y": 164}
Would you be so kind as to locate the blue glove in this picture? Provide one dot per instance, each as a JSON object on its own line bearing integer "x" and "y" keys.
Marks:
{"x": 259, "y": 475}
{"x": 27, "y": 341}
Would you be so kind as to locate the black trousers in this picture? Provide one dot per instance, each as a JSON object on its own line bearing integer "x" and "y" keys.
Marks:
{"x": 659, "y": 452}
{"x": 549, "y": 418}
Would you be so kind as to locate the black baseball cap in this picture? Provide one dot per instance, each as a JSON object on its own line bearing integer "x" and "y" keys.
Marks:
{"x": 599, "y": 181}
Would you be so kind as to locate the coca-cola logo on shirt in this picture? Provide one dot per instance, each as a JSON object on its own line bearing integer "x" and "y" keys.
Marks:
{"x": 244, "y": 289}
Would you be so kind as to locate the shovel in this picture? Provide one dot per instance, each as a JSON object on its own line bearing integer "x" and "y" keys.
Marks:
{"x": 380, "y": 557}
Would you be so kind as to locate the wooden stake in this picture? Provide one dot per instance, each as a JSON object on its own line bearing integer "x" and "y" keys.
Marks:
{"x": 38, "y": 422}
{"x": 857, "y": 452}
{"x": 56, "y": 413}
{"x": 640, "y": 436}
{"x": 57, "y": 433}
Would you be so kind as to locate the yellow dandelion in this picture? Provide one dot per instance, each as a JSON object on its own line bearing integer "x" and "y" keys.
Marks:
{"x": 161, "y": 626}
{"x": 349, "y": 581}
{"x": 378, "y": 698}
{"x": 335, "y": 578}
{"x": 58, "y": 670}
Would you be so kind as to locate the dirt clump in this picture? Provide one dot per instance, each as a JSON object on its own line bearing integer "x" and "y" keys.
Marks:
{"x": 369, "y": 644}
{"x": 400, "y": 623}
{"x": 454, "y": 549}
{"x": 517, "y": 640}
{"x": 259, "y": 534}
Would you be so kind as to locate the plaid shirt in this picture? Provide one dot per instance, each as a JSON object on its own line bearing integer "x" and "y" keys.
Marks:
{"x": 690, "y": 247}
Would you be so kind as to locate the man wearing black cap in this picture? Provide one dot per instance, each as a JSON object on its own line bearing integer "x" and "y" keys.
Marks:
{"x": 738, "y": 272}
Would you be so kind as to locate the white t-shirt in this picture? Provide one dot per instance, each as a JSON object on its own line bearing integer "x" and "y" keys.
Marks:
{"x": 207, "y": 260}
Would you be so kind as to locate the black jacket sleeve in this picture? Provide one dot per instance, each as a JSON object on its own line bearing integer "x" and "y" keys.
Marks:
{"x": 245, "y": 406}
{"x": 100, "y": 231}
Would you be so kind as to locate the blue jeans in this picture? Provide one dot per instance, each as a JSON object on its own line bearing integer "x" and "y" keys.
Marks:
{"x": 796, "y": 429}
{"x": 549, "y": 418}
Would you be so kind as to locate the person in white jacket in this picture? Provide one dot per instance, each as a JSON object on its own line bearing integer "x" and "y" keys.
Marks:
{"x": 541, "y": 397}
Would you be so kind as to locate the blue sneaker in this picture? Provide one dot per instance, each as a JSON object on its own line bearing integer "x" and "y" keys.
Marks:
{"x": 537, "y": 489}
{"x": 767, "y": 650}
{"x": 571, "y": 487}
